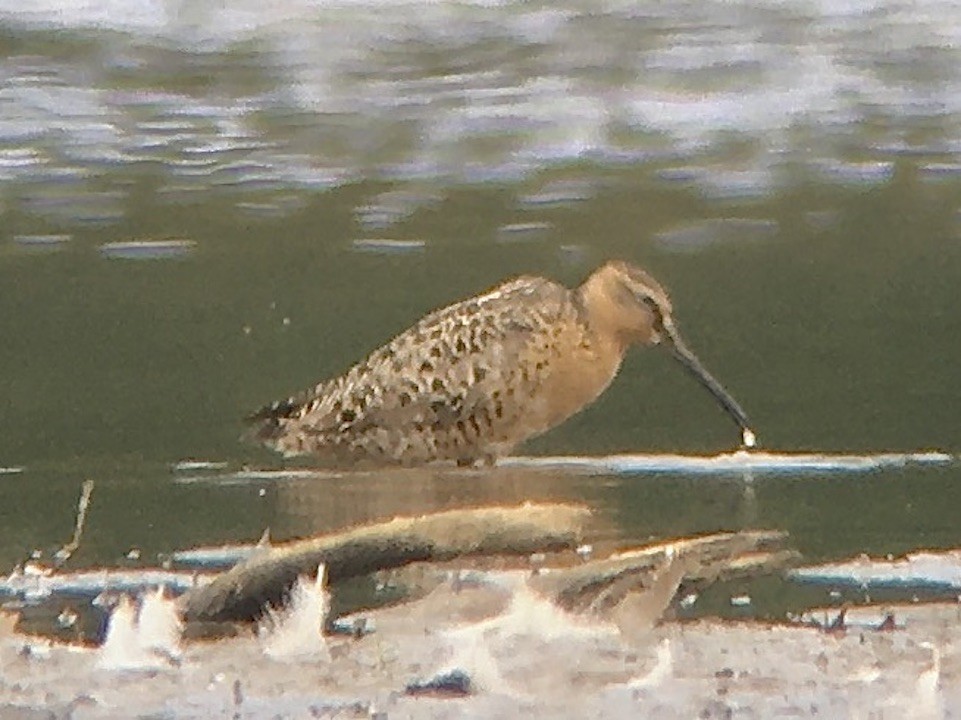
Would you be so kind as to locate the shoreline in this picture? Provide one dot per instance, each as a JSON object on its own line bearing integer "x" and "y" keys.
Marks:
{"x": 522, "y": 656}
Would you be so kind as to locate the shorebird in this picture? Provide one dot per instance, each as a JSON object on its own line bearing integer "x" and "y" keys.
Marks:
{"x": 471, "y": 381}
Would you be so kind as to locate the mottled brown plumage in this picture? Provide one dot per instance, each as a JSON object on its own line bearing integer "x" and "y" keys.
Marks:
{"x": 471, "y": 381}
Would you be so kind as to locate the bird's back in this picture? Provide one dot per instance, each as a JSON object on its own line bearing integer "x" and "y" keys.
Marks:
{"x": 463, "y": 384}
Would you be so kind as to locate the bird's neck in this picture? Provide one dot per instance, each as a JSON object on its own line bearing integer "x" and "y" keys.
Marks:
{"x": 601, "y": 315}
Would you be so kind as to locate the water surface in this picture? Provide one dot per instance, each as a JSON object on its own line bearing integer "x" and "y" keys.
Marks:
{"x": 206, "y": 207}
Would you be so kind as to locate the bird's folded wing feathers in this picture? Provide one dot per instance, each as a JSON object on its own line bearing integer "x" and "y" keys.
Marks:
{"x": 436, "y": 373}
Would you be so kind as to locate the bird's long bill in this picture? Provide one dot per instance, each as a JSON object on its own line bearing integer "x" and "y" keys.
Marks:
{"x": 680, "y": 351}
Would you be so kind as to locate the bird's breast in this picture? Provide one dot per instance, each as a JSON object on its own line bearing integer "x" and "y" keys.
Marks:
{"x": 580, "y": 368}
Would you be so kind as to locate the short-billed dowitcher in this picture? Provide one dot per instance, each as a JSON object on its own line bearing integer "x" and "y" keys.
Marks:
{"x": 471, "y": 381}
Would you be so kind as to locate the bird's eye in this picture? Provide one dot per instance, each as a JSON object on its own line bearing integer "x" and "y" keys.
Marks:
{"x": 657, "y": 320}
{"x": 656, "y": 313}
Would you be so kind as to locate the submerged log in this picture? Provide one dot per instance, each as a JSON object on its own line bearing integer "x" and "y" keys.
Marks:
{"x": 264, "y": 579}
{"x": 647, "y": 578}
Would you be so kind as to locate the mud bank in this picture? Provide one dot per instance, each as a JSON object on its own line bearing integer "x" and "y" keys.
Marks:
{"x": 522, "y": 657}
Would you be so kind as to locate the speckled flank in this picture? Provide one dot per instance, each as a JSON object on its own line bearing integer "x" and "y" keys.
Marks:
{"x": 471, "y": 381}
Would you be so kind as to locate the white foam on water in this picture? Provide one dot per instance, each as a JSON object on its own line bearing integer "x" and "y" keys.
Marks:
{"x": 728, "y": 463}
{"x": 246, "y": 477}
{"x": 193, "y": 465}
{"x": 159, "y": 624}
{"x": 920, "y": 569}
{"x": 93, "y": 582}
{"x": 297, "y": 631}
{"x": 222, "y": 555}
{"x": 144, "y": 640}
{"x": 120, "y": 649}
{"x": 219, "y": 556}
{"x": 732, "y": 463}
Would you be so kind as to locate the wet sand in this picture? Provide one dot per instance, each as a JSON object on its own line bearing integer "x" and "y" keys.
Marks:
{"x": 523, "y": 658}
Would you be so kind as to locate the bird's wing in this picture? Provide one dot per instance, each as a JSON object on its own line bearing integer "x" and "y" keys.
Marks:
{"x": 434, "y": 374}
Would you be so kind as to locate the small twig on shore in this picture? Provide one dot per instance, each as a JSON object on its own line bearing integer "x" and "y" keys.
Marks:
{"x": 64, "y": 553}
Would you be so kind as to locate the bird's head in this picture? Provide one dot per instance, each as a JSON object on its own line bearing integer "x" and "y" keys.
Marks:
{"x": 627, "y": 302}
{"x": 630, "y": 302}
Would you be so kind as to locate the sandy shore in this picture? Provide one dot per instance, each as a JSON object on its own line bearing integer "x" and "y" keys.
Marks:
{"x": 523, "y": 658}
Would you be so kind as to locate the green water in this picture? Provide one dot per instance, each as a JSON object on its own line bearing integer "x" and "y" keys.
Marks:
{"x": 838, "y": 338}
{"x": 789, "y": 178}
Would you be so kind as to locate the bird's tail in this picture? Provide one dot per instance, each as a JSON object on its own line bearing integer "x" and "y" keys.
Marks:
{"x": 266, "y": 425}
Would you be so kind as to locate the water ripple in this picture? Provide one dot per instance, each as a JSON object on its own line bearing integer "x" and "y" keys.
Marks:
{"x": 248, "y": 97}
{"x": 147, "y": 249}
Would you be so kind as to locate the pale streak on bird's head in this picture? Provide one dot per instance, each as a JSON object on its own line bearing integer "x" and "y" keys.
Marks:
{"x": 627, "y": 301}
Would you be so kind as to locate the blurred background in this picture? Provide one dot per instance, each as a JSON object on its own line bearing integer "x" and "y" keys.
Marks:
{"x": 209, "y": 205}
